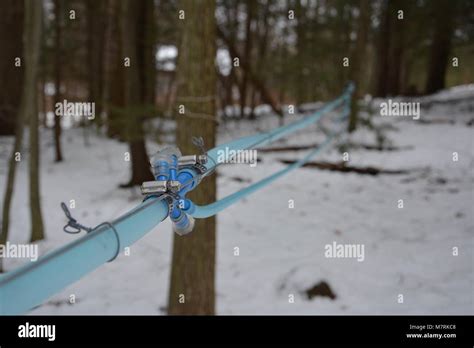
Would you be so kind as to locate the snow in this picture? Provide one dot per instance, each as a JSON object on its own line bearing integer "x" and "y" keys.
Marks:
{"x": 408, "y": 251}
{"x": 166, "y": 56}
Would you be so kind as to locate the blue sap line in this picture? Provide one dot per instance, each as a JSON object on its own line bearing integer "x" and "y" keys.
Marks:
{"x": 30, "y": 285}
{"x": 214, "y": 208}
{"x": 33, "y": 283}
{"x": 261, "y": 139}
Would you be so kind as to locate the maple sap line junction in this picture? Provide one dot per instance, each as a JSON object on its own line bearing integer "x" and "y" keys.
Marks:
{"x": 164, "y": 197}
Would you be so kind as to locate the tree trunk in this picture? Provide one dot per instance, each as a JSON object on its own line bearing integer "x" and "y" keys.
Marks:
{"x": 193, "y": 267}
{"x": 357, "y": 75}
{"x": 95, "y": 42}
{"x": 396, "y": 50}
{"x": 5, "y": 116}
{"x": 28, "y": 109}
{"x": 11, "y": 33}
{"x": 57, "y": 80}
{"x": 441, "y": 44}
{"x": 34, "y": 12}
{"x": 383, "y": 47}
{"x": 134, "y": 25}
{"x": 263, "y": 32}
{"x": 113, "y": 77}
{"x": 301, "y": 56}
{"x": 44, "y": 97}
{"x": 246, "y": 54}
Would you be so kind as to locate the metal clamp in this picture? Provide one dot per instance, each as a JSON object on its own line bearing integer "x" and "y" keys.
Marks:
{"x": 74, "y": 227}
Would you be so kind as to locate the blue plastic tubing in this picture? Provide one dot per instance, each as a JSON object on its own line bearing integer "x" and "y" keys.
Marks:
{"x": 261, "y": 139}
{"x": 213, "y": 208}
{"x": 265, "y": 138}
{"x": 30, "y": 285}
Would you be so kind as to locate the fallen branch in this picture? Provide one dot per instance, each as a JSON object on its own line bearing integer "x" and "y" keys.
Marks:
{"x": 342, "y": 167}
{"x": 350, "y": 145}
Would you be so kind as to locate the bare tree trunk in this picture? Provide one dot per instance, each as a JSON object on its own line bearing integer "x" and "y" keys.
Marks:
{"x": 14, "y": 157}
{"x": 44, "y": 98}
{"x": 169, "y": 94}
{"x": 383, "y": 47}
{"x": 441, "y": 44}
{"x": 359, "y": 58}
{"x": 250, "y": 4}
{"x": 301, "y": 44}
{"x": 263, "y": 31}
{"x": 57, "y": 80}
{"x": 28, "y": 109}
{"x": 134, "y": 25}
{"x": 11, "y": 32}
{"x": 95, "y": 42}
{"x": 192, "y": 281}
{"x": 396, "y": 51}
{"x": 113, "y": 77}
{"x": 34, "y": 12}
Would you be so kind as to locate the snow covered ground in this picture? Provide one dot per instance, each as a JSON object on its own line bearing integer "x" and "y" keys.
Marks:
{"x": 408, "y": 251}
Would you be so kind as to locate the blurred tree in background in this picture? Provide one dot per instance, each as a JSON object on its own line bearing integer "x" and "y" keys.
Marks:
{"x": 28, "y": 114}
{"x": 11, "y": 33}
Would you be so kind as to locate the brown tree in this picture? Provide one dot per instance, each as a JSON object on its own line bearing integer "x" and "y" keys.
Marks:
{"x": 34, "y": 13}
{"x": 28, "y": 113}
{"x": 443, "y": 19}
{"x": 250, "y": 7}
{"x": 11, "y": 32}
{"x": 95, "y": 42}
{"x": 193, "y": 265}
{"x": 57, "y": 77}
{"x": 112, "y": 96}
{"x": 356, "y": 65}
{"x": 136, "y": 21}
{"x": 383, "y": 49}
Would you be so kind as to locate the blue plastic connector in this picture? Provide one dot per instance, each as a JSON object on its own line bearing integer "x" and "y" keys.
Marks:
{"x": 176, "y": 182}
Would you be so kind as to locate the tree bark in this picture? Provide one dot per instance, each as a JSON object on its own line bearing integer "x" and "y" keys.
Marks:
{"x": 396, "y": 50}
{"x": 57, "y": 80}
{"x": 113, "y": 76}
{"x": 95, "y": 43}
{"x": 34, "y": 12}
{"x": 441, "y": 45}
{"x": 11, "y": 33}
{"x": 133, "y": 27}
{"x": 383, "y": 47}
{"x": 246, "y": 55}
{"x": 28, "y": 112}
{"x": 301, "y": 47}
{"x": 359, "y": 57}
{"x": 10, "y": 182}
{"x": 263, "y": 32}
{"x": 194, "y": 255}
